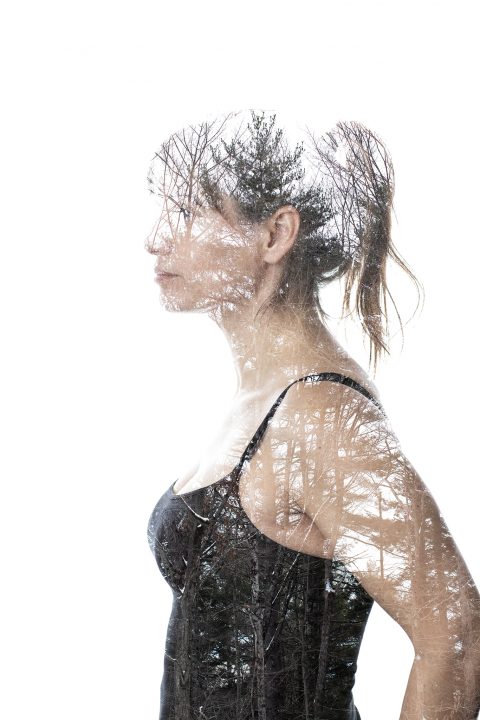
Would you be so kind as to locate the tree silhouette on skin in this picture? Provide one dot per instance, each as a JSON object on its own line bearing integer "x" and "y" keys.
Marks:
{"x": 275, "y": 631}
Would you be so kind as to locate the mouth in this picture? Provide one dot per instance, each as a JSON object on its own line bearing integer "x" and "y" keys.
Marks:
{"x": 162, "y": 273}
{"x": 163, "y": 277}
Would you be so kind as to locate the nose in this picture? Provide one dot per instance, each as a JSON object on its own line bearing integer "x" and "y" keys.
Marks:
{"x": 154, "y": 244}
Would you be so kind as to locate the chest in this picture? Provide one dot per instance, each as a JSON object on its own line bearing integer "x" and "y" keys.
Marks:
{"x": 270, "y": 487}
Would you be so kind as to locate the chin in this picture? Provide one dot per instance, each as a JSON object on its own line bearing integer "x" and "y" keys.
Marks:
{"x": 173, "y": 305}
{"x": 176, "y": 304}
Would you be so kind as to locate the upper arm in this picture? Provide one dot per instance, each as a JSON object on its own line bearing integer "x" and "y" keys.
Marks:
{"x": 386, "y": 527}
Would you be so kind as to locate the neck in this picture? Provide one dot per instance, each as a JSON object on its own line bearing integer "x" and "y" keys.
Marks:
{"x": 276, "y": 347}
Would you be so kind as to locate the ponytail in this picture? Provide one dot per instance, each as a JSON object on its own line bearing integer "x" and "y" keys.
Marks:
{"x": 359, "y": 172}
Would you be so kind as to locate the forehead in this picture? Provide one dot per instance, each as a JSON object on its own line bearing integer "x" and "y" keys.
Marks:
{"x": 177, "y": 215}
{"x": 179, "y": 192}
{"x": 189, "y": 165}
{"x": 188, "y": 197}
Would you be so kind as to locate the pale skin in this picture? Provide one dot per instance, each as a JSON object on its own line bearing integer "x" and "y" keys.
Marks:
{"x": 329, "y": 477}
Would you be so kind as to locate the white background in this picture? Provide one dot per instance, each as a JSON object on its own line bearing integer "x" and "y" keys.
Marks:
{"x": 104, "y": 397}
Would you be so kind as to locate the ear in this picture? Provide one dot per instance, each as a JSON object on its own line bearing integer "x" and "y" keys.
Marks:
{"x": 281, "y": 232}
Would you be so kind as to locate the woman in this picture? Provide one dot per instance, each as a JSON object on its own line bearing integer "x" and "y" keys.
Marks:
{"x": 304, "y": 510}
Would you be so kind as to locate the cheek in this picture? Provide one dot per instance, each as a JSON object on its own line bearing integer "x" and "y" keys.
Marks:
{"x": 220, "y": 273}
{"x": 221, "y": 257}
{"x": 218, "y": 260}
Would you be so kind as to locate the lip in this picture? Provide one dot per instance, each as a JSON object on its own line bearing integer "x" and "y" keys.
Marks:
{"x": 161, "y": 277}
{"x": 164, "y": 273}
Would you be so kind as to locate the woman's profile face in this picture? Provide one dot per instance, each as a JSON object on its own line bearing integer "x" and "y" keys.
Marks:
{"x": 212, "y": 257}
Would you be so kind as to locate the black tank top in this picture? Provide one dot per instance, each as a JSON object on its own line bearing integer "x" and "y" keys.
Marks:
{"x": 257, "y": 630}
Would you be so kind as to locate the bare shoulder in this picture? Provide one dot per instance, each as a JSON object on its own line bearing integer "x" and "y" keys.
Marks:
{"x": 319, "y": 422}
{"x": 319, "y": 430}
{"x": 345, "y": 437}
{"x": 336, "y": 410}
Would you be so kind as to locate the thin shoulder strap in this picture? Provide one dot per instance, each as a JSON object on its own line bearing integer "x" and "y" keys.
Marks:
{"x": 332, "y": 377}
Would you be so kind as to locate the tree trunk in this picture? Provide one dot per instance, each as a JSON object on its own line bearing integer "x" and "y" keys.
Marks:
{"x": 323, "y": 652}
{"x": 259, "y": 650}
